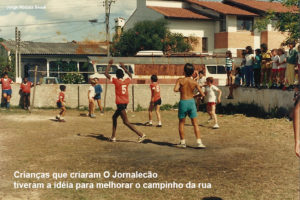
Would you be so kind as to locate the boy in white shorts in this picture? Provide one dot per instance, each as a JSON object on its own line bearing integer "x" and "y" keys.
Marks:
{"x": 91, "y": 98}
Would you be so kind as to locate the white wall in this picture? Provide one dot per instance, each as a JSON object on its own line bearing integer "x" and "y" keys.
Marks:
{"x": 231, "y": 23}
{"x": 141, "y": 14}
{"x": 257, "y": 36}
{"x": 197, "y": 28}
{"x": 170, "y": 4}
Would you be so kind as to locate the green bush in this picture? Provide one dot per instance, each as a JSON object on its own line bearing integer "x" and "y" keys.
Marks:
{"x": 176, "y": 105}
{"x": 139, "y": 108}
{"x": 73, "y": 78}
{"x": 166, "y": 107}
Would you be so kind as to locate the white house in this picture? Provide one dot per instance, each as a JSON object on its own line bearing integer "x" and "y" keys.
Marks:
{"x": 218, "y": 26}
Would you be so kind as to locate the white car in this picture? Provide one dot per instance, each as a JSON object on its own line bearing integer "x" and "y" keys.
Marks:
{"x": 99, "y": 70}
{"x": 217, "y": 72}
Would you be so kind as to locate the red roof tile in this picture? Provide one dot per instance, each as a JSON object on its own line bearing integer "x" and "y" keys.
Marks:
{"x": 265, "y": 5}
{"x": 178, "y": 13}
{"x": 222, "y": 8}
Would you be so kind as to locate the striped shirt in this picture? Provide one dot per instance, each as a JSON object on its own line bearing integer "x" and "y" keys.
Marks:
{"x": 229, "y": 62}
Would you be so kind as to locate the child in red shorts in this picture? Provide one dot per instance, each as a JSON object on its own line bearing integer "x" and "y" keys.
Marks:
{"x": 155, "y": 101}
{"x": 122, "y": 100}
{"x": 212, "y": 100}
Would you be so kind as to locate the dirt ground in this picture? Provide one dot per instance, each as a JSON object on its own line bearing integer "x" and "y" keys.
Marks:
{"x": 247, "y": 158}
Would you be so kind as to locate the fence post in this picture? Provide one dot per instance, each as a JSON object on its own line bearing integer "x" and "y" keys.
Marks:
{"x": 35, "y": 77}
{"x": 133, "y": 97}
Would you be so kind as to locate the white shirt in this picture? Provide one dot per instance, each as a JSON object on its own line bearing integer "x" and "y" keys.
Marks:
{"x": 281, "y": 59}
{"x": 274, "y": 64}
{"x": 210, "y": 93}
{"x": 202, "y": 81}
{"x": 92, "y": 92}
{"x": 249, "y": 59}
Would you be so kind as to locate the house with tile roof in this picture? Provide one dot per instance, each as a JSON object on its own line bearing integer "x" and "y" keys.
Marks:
{"x": 218, "y": 25}
{"x": 46, "y": 55}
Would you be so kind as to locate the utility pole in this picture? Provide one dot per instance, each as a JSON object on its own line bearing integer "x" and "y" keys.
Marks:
{"x": 19, "y": 56}
{"x": 16, "y": 53}
{"x": 107, "y": 4}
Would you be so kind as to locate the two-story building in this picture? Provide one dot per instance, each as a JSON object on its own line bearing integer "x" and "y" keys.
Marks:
{"x": 218, "y": 26}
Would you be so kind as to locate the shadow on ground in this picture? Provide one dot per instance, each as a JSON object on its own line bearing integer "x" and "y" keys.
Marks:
{"x": 146, "y": 141}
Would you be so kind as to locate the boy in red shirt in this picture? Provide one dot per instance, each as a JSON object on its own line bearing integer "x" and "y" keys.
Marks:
{"x": 25, "y": 91}
{"x": 122, "y": 99}
{"x": 6, "y": 89}
{"x": 155, "y": 101}
{"x": 61, "y": 103}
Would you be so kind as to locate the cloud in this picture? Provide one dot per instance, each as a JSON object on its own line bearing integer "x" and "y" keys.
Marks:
{"x": 16, "y": 18}
{"x": 75, "y": 9}
{"x": 124, "y": 8}
{"x": 60, "y": 10}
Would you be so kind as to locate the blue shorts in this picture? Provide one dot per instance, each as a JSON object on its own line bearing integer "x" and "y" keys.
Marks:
{"x": 97, "y": 96}
{"x": 187, "y": 107}
{"x": 7, "y": 92}
{"x": 228, "y": 69}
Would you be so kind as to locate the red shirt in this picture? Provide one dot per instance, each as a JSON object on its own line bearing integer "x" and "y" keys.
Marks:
{"x": 25, "y": 87}
{"x": 61, "y": 97}
{"x": 6, "y": 83}
{"x": 121, "y": 89}
{"x": 155, "y": 91}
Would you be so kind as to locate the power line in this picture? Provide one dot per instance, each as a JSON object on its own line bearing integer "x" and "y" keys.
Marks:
{"x": 47, "y": 23}
{"x": 62, "y": 34}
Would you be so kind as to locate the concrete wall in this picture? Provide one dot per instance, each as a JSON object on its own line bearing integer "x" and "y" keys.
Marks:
{"x": 76, "y": 96}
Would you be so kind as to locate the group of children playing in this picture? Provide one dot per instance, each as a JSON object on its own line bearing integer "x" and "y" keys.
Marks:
{"x": 266, "y": 69}
{"x": 193, "y": 87}
{"x": 187, "y": 106}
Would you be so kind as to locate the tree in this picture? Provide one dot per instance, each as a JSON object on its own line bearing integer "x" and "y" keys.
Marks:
{"x": 284, "y": 22}
{"x": 149, "y": 35}
{"x": 66, "y": 72}
{"x": 7, "y": 64}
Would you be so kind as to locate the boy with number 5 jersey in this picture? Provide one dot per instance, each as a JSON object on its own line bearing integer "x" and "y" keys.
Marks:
{"x": 122, "y": 100}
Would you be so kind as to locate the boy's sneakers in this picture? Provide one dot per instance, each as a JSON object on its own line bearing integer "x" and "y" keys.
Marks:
{"x": 209, "y": 120}
{"x": 141, "y": 139}
{"x": 159, "y": 126}
{"x": 61, "y": 119}
{"x": 92, "y": 116}
{"x": 216, "y": 126}
{"x": 180, "y": 145}
{"x": 112, "y": 139}
{"x": 57, "y": 117}
{"x": 201, "y": 145}
{"x": 148, "y": 124}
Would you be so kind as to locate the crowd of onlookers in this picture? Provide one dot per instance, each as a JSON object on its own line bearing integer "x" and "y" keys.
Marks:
{"x": 273, "y": 69}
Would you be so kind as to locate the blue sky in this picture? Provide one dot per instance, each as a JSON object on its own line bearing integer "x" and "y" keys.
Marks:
{"x": 24, "y": 12}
